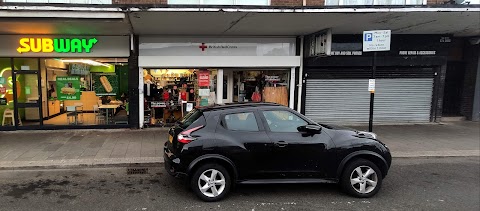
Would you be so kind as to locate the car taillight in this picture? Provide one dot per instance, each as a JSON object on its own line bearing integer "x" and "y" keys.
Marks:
{"x": 185, "y": 138}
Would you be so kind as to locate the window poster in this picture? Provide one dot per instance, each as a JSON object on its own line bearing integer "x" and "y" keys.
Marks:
{"x": 68, "y": 87}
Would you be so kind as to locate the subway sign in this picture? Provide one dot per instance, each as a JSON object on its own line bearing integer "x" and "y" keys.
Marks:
{"x": 56, "y": 45}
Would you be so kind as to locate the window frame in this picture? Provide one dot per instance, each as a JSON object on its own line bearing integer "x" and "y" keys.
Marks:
{"x": 260, "y": 125}
{"x": 267, "y": 127}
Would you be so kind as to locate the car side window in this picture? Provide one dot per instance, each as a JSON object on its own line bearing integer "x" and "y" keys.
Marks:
{"x": 283, "y": 121}
{"x": 241, "y": 122}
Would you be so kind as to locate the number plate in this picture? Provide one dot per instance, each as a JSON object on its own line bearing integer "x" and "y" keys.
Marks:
{"x": 170, "y": 138}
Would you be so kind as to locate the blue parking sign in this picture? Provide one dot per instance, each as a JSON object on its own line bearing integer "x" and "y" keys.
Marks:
{"x": 368, "y": 37}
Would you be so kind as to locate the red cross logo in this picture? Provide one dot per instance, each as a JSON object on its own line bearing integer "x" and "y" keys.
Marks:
{"x": 203, "y": 46}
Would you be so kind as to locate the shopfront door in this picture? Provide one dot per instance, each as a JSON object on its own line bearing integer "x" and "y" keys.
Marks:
{"x": 27, "y": 95}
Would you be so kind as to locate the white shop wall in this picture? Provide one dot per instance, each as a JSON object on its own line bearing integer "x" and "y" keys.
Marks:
{"x": 217, "y": 52}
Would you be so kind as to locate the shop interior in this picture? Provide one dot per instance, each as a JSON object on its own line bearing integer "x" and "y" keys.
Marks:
{"x": 169, "y": 94}
{"x": 72, "y": 91}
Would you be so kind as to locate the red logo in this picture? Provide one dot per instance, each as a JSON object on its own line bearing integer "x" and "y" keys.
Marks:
{"x": 3, "y": 90}
{"x": 203, "y": 46}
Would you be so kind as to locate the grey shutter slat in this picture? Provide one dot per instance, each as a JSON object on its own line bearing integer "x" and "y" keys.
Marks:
{"x": 347, "y": 101}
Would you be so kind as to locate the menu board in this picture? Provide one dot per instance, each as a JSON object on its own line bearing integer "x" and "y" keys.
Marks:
{"x": 68, "y": 87}
{"x": 105, "y": 84}
{"x": 79, "y": 69}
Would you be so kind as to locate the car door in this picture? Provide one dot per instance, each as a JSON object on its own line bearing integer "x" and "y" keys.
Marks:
{"x": 297, "y": 154}
{"x": 245, "y": 142}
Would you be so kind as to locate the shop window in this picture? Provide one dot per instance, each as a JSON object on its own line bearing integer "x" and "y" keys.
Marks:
{"x": 6, "y": 93}
{"x": 84, "y": 91}
{"x": 241, "y": 122}
{"x": 261, "y": 86}
{"x": 374, "y": 2}
{"x": 221, "y": 2}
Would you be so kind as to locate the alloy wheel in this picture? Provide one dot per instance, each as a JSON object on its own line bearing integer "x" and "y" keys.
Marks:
{"x": 364, "y": 179}
{"x": 211, "y": 183}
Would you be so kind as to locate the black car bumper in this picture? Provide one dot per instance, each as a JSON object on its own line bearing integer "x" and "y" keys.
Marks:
{"x": 173, "y": 164}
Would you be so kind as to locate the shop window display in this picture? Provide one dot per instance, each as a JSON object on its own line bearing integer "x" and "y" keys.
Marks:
{"x": 72, "y": 91}
{"x": 86, "y": 92}
{"x": 171, "y": 93}
{"x": 261, "y": 86}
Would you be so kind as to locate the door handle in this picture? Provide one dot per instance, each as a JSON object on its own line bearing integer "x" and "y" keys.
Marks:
{"x": 281, "y": 144}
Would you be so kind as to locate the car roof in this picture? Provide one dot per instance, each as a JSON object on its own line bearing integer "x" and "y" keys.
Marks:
{"x": 237, "y": 105}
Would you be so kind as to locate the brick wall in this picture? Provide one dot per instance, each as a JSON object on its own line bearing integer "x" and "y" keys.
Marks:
{"x": 139, "y": 1}
{"x": 286, "y": 2}
{"x": 273, "y": 2}
{"x": 315, "y": 2}
{"x": 430, "y": 2}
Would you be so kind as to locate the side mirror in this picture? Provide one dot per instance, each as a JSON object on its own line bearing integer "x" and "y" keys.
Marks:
{"x": 311, "y": 129}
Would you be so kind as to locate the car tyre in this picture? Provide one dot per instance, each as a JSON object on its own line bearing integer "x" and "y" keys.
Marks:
{"x": 211, "y": 182}
{"x": 361, "y": 178}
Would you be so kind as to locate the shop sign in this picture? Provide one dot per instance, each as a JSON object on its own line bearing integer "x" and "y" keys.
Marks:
{"x": 3, "y": 90}
{"x": 57, "y": 45}
{"x": 203, "y": 78}
{"x": 216, "y": 46}
{"x": 347, "y": 53}
{"x": 68, "y": 87}
{"x": 3, "y": 101}
{"x": 52, "y": 46}
{"x": 417, "y": 53}
{"x": 272, "y": 78}
{"x": 158, "y": 104}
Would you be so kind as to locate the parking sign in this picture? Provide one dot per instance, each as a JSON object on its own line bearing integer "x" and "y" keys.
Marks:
{"x": 378, "y": 40}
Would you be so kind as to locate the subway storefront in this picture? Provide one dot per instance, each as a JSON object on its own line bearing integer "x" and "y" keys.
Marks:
{"x": 52, "y": 82}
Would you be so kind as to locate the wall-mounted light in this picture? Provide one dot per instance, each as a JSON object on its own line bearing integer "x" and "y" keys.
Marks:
{"x": 85, "y": 61}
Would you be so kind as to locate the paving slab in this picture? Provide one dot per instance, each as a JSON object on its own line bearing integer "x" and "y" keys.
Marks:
{"x": 125, "y": 147}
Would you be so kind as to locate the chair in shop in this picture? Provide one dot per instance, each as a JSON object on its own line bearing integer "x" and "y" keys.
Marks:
{"x": 9, "y": 115}
{"x": 72, "y": 115}
{"x": 99, "y": 117}
{"x": 79, "y": 110}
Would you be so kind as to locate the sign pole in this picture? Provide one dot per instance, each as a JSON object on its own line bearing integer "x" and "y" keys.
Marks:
{"x": 373, "y": 41}
{"x": 372, "y": 93}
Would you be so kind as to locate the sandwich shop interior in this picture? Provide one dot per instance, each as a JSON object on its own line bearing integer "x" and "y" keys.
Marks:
{"x": 63, "y": 91}
{"x": 169, "y": 94}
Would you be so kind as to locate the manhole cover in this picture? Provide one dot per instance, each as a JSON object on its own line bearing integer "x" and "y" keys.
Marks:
{"x": 137, "y": 170}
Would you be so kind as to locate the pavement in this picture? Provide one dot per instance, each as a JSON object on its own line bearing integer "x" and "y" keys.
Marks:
{"x": 125, "y": 147}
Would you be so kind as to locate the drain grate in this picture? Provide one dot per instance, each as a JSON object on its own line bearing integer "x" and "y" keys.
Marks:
{"x": 137, "y": 170}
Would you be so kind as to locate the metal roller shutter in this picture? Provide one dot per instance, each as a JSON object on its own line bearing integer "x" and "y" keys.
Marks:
{"x": 347, "y": 101}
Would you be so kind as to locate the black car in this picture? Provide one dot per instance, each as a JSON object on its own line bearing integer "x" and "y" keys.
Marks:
{"x": 258, "y": 143}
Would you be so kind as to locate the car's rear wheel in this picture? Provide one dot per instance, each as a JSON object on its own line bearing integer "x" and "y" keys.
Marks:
{"x": 361, "y": 178}
{"x": 211, "y": 182}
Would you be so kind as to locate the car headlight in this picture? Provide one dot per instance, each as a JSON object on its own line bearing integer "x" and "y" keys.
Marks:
{"x": 373, "y": 135}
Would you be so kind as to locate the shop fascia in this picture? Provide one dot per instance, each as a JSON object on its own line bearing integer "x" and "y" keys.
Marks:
{"x": 58, "y": 45}
{"x": 64, "y": 46}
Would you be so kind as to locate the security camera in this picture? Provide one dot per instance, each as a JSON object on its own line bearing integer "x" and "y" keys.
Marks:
{"x": 474, "y": 40}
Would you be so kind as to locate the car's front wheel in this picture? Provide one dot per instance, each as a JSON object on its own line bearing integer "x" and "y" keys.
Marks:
{"x": 361, "y": 178}
{"x": 211, "y": 182}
